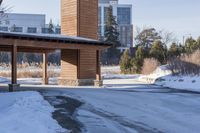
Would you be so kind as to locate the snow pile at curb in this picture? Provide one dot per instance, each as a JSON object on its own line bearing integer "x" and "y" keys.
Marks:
{"x": 191, "y": 83}
{"x": 159, "y": 72}
{"x": 26, "y": 112}
{"x": 162, "y": 76}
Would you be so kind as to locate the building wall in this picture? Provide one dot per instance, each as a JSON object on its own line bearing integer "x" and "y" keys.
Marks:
{"x": 25, "y": 23}
{"x": 123, "y": 13}
{"x": 21, "y": 22}
{"x": 69, "y": 17}
{"x": 88, "y": 20}
{"x": 79, "y": 19}
{"x": 69, "y": 64}
{"x": 88, "y": 64}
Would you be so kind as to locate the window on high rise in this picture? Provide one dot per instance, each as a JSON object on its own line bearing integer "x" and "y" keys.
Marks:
{"x": 99, "y": 15}
{"x": 105, "y": 14}
{"x": 123, "y": 15}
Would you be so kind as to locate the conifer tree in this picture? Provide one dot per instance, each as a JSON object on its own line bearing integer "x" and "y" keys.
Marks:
{"x": 159, "y": 51}
{"x": 112, "y": 36}
{"x": 51, "y": 27}
{"x": 191, "y": 45}
{"x": 198, "y": 43}
{"x": 137, "y": 61}
{"x": 125, "y": 62}
{"x": 174, "y": 50}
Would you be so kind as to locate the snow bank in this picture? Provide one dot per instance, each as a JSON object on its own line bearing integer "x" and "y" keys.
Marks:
{"x": 159, "y": 72}
{"x": 162, "y": 76}
{"x": 191, "y": 83}
{"x": 26, "y": 112}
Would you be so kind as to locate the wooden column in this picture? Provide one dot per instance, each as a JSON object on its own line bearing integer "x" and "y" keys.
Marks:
{"x": 78, "y": 64}
{"x": 98, "y": 67}
{"x": 14, "y": 64}
{"x": 45, "y": 68}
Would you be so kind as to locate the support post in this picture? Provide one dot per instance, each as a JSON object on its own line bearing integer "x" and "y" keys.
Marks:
{"x": 45, "y": 67}
{"x": 13, "y": 69}
{"x": 98, "y": 81}
{"x": 78, "y": 64}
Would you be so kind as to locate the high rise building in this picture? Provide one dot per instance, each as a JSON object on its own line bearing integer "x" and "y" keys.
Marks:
{"x": 123, "y": 14}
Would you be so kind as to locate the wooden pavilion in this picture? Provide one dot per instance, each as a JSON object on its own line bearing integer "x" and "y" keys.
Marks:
{"x": 80, "y": 50}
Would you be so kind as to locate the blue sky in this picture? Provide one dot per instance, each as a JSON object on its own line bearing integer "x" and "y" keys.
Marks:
{"x": 178, "y": 16}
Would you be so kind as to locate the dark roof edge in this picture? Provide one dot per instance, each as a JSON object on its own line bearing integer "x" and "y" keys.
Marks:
{"x": 53, "y": 38}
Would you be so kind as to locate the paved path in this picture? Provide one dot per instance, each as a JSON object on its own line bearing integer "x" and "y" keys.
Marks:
{"x": 138, "y": 108}
{"x": 124, "y": 106}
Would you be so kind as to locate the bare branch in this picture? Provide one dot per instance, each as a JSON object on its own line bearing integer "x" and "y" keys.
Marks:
{"x": 168, "y": 37}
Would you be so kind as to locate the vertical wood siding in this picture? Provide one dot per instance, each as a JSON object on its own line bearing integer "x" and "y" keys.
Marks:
{"x": 88, "y": 18}
{"x": 69, "y": 16}
{"x": 69, "y": 64}
{"x": 87, "y": 64}
{"x": 79, "y": 18}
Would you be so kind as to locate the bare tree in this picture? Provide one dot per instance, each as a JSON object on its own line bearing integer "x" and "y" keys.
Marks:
{"x": 146, "y": 37}
{"x": 167, "y": 37}
{"x": 3, "y": 9}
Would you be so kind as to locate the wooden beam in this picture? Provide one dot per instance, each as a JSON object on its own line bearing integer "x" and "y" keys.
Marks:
{"x": 98, "y": 66}
{"x": 45, "y": 68}
{"x": 48, "y": 45}
{"x": 27, "y": 50}
{"x": 14, "y": 64}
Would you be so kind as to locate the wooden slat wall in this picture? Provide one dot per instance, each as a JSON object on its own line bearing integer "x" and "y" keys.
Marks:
{"x": 88, "y": 18}
{"x": 69, "y": 64}
{"x": 87, "y": 64}
{"x": 69, "y": 17}
{"x": 79, "y": 18}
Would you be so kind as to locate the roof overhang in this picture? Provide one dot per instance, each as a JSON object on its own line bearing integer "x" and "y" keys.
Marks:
{"x": 48, "y": 42}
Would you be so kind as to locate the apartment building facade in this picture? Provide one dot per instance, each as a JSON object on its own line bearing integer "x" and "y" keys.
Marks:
{"x": 123, "y": 14}
{"x": 26, "y": 23}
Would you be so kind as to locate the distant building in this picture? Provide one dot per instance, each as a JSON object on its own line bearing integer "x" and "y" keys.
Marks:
{"x": 25, "y": 23}
{"x": 57, "y": 29}
{"x": 36, "y": 23}
{"x": 123, "y": 13}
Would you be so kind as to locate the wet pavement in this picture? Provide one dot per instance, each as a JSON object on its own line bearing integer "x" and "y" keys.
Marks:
{"x": 65, "y": 110}
{"x": 163, "y": 104}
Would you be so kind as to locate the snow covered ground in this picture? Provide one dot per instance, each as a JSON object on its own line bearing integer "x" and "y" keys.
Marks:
{"x": 26, "y": 112}
{"x": 162, "y": 76}
{"x": 191, "y": 83}
{"x": 28, "y": 81}
{"x": 123, "y": 105}
{"x": 128, "y": 106}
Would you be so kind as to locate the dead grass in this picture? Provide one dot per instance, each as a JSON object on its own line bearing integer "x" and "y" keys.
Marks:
{"x": 186, "y": 64}
{"x": 26, "y": 70}
{"x": 150, "y": 65}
